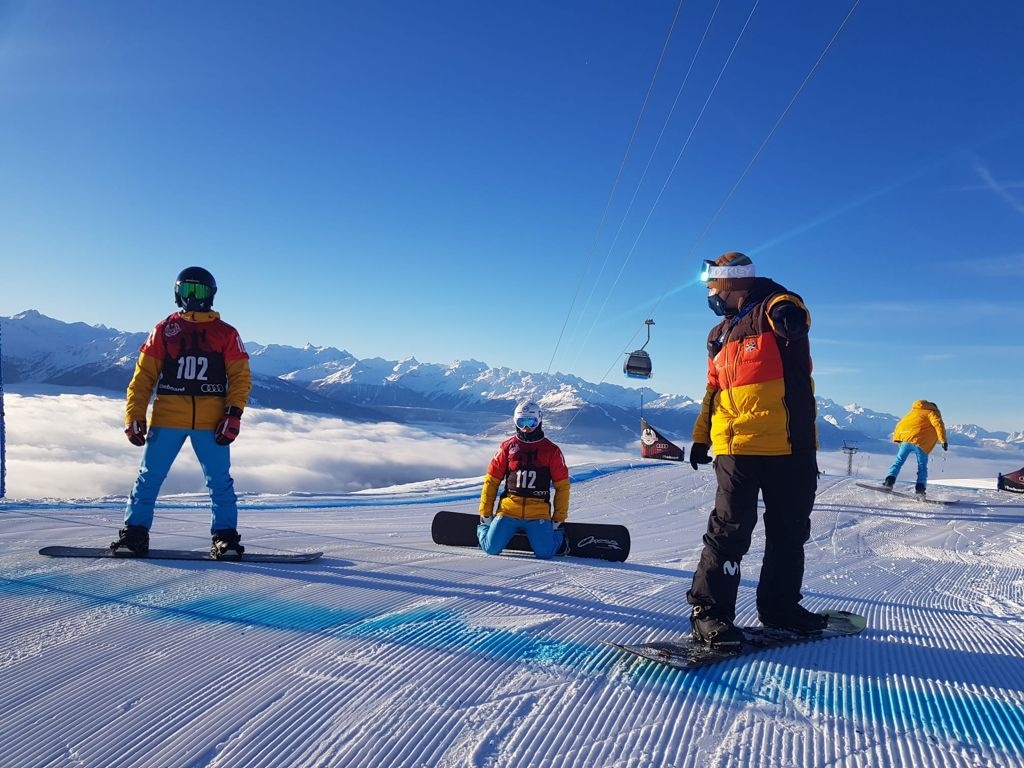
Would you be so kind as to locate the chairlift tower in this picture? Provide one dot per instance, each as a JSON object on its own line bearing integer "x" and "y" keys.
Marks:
{"x": 849, "y": 449}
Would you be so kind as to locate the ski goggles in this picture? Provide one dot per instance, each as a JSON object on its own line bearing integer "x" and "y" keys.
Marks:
{"x": 194, "y": 291}
{"x": 712, "y": 271}
{"x": 526, "y": 423}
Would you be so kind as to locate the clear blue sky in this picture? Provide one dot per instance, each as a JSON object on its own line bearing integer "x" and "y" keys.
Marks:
{"x": 432, "y": 179}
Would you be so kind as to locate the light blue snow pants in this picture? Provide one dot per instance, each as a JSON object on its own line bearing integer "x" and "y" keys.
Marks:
{"x": 162, "y": 447}
{"x": 544, "y": 539}
{"x": 903, "y": 454}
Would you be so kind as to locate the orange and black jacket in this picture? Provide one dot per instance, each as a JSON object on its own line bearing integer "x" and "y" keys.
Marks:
{"x": 760, "y": 394}
{"x": 528, "y": 468}
{"x": 198, "y": 367}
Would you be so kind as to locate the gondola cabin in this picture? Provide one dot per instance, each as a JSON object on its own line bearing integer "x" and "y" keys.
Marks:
{"x": 637, "y": 365}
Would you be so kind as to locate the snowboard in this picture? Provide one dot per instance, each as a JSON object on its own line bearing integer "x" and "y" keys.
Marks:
{"x": 602, "y": 541}
{"x": 903, "y": 494}
{"x": 183, "y": 554}
{"x": 687, "y": 654}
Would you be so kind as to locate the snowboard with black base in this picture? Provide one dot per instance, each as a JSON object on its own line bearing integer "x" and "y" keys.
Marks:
{"x": 903, "y": 494}
{"x": 602, "y": 541}
{"x": 694, "y": 654}
{"x": 133, "y": 544}
{"x": 182, "y": 554}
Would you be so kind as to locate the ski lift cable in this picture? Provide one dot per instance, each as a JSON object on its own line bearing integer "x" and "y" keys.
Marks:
{"x": 842, "y": 26}
{"x": 764, "y": 143}
{"x": 647, "y": 167}
{"x": 618, "y": 178}
{"x": 603, "y": 379}
{"x": 668, "y": 178}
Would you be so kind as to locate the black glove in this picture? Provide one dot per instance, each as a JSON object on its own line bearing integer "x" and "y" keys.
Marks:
{"x": 699, "y": 454}
{"x": 136, "y": 432}
{"x": 945, "y": 446}
{"x": 228, "y": 427}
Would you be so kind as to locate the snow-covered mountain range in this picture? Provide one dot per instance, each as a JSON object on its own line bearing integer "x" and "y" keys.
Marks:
{"x": 467, "y": 396}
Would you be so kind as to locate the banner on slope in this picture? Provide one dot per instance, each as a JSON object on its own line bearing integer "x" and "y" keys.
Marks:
{"x": 653, "y": 445}
{"x": 1013, "y": 481}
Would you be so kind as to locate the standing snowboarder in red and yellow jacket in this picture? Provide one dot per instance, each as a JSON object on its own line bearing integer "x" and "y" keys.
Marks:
{"x": 198, "y": 367}
{"x": 759, "y": 416}
{"x": 529, "y": 464}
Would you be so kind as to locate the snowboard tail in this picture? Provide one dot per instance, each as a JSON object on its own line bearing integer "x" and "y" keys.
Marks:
{"x": 602, "y": 541}
{"x": 181, "y": 554}
{"x": 688, "y": 654}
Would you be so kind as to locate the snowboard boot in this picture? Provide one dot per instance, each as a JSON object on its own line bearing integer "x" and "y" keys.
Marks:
{"x": 796, "y": 619}
{"x": 714, "y": 631}
{"x": 889, "y": 482}
{"x": 226, "y": 545}
{"x": 132, "y": 541}
{"x": 919, "y": 489}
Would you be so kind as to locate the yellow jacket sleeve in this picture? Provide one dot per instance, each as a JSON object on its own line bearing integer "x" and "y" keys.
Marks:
{"x": 702, "y": 426}
{"x": 561, "y": 504}
{"x": 140, "y": 388}
{"x": 488, "y": 494}
{"x": 940, "y": 427}
{"x": 239, "y": 383}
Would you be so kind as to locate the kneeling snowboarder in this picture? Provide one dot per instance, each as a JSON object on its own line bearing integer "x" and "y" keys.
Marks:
{"x": 529, "y": 464}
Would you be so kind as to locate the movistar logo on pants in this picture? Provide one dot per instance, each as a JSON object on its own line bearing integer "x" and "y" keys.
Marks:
{"x": 729, "y": 568}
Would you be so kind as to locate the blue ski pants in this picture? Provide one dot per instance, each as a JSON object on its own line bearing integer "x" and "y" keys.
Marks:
{"x": 544, "y": 539}
{"x": 903, "y": 454}
{"x": 162, "y": 447}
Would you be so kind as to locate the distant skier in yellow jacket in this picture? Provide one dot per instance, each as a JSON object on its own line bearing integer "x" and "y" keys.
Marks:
{"x": 917, "y": 433}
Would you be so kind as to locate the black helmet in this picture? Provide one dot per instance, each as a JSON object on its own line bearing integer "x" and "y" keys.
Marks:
{"x": 194, "y": 289}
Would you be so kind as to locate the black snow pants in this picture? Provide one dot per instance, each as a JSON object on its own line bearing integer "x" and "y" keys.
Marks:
{"x": 787, "y": 485}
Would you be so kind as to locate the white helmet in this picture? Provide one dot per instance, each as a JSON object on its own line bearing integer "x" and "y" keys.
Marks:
{"x": 527, "y": 416}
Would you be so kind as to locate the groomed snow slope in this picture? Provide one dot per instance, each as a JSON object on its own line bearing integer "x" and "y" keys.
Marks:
{"x": 391, "y": 651}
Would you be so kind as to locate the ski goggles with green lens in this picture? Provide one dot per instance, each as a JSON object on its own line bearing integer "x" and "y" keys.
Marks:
{"x": 194, "y": 291}
{"x": 526, "y": 423}
{"x": 712, "y": 271}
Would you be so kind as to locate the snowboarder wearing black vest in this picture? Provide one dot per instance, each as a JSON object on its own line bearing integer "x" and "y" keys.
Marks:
{"x": 198, "y": 367}
{"x": 758, "y": 415}
{"x": 529, "y": 464}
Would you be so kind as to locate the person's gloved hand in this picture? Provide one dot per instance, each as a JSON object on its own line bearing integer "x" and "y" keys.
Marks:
{"x": 699, "y": 454}
{"x": 486, "y": 519}
{"x": 945, "y": 446}
{"x": 228, "y": 427}
{"x": 558, "y": 524}
{"x": 136, "y": 432}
